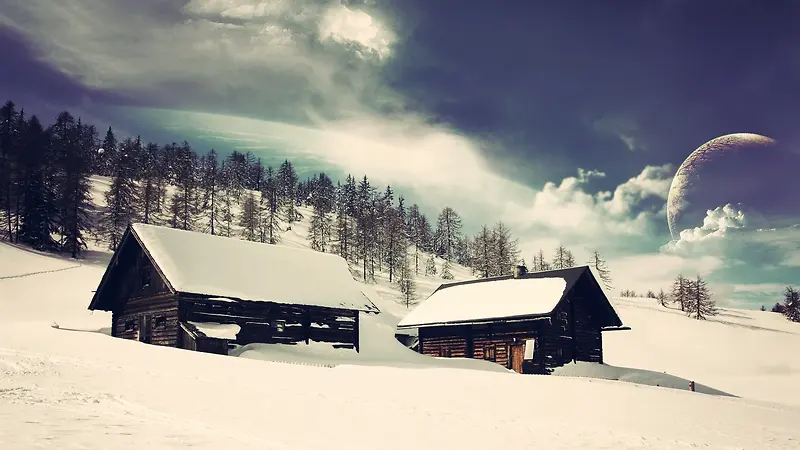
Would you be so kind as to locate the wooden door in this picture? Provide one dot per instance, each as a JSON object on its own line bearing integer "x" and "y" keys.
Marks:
{"x": 517, "y": 356}
{"x": 146, "y": 329}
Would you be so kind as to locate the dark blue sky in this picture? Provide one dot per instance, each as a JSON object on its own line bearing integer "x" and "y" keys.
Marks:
{"x": 454, "y": 102}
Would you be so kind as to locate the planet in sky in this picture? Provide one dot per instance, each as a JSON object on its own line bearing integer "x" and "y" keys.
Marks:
{"x": 751, "y": 172}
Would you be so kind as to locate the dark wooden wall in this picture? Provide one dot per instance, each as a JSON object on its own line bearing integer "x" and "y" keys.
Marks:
{"x": 480, "y": 341}
{"x": 143, "y": 296}
{"x": 273, "y": 323}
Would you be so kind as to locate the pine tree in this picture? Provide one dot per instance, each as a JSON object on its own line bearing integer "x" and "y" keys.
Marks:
{"x": 104, "y": 160}
{"x": 405, "y": 279}
{"x": 10, "y": 167}
{"x": 37, "y": 210}
{"x": 791, "y": 304}
{"x": 185, "y": 206}
{"x": 209, "y": 182}
{"x": 599, "y": 264}
{"x": 504, "y": 254}
{"x": 680, "y": 291}
{"x": 120, "y": 199}
{"x": 430, "y": 265}
{"x": 700, "y": 304}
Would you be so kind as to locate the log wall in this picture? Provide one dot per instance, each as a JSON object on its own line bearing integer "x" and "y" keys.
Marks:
{"x": 161, "y": 310}
{"x": 273, "y": 323}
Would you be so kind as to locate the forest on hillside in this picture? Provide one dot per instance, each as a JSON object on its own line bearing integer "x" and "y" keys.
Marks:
{"x": 46, "y": 203}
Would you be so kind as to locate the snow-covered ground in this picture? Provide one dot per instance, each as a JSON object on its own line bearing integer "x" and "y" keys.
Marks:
{"x": 75, "y": 387}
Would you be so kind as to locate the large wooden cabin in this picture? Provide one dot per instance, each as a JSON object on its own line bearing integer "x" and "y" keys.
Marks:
{"x": 201, "y": 292}
{"x": 528, "y": 322}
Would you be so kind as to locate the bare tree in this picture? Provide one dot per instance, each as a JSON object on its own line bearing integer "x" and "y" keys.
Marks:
{"x": 599, "y": 264}
{"x": 700, "y": 304}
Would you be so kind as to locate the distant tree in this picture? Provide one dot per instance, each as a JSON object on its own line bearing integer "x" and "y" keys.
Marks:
{"x": 272, "y": 207}
{"x": 563, "y": 258}
{"x": 599, "y": 263}
{"x": 446, "y": 270}
{"x": 539, "y": 263}
{"x": 700, "y": 303}
{"x": 287, "y": 188}
{"x": 448, "y": 232}
{"x": 651, "y": 294}
{"x": 151, "y": 185}
{"x": 483, "y": 245}
{"x": 104, "y": 160}
{"x": 505, "y": 253}
{"x": 121, "y": 198}
{"x": 662, "y": 298}
{"x": 777, "y": 308}
{"x": 681, "y": 292}
{"x": 250, "y": 218}
{"x": 763, "y": 308}
{"x": 791, "y": 304}
{"x": 430, "y": 265}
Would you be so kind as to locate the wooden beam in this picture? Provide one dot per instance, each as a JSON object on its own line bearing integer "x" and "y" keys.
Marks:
{"x": 356, "y": 334}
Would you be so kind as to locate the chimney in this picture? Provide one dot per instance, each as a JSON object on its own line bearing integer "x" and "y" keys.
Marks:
{"x": 520, "y": 271}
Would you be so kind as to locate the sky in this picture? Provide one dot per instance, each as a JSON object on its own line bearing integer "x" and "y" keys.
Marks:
{"x": 565, "y": 120}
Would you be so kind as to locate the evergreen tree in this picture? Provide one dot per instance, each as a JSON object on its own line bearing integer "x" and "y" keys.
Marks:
{"x": 10, "y": 169}
{"x": 791, "y": 304}
{"x": 700, "y": 304}
{"x": 599, "y": 264}
{"x": 185, "y": 200}
{"x": 680, "y": 291}
{"x": 73, "y": 144}
{"x": 405, "y": 279}
{"x": 120, "y": 199}
{"x": 104, "y": 160}
{"x": 38, "y": 206}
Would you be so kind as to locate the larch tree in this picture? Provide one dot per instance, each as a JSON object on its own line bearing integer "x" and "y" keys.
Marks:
{"x": 663, "y": 298}
{"x": 563, "y": 258}
{"x": 681, "y": 291}
{"x": 250, "y": 218}
{"x": 448, "y": 232}
{"x": 483, "y": 245}
{"x": 700, "y": 304}
{"x": 601, "y": 267}
{"x": 430, "y": 265}
{"x": 539, "y": 263}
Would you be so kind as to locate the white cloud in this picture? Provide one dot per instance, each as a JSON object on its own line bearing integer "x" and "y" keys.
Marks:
{"x": 342, "y": 24}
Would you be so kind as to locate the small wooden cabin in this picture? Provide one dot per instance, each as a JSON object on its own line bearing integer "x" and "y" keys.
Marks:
{"x": 528, "y": 322}
{"x": 201, "y": 292}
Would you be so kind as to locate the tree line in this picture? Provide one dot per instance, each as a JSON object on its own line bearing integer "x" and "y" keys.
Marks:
{"x": 790, "y": 307}
{"x": 46, "y": 199}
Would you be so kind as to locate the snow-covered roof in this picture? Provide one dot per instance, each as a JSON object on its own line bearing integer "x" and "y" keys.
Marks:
{"x": 217, "y": 266}
{"x": 487, "y": 300}
{"x": 218, "y": 330}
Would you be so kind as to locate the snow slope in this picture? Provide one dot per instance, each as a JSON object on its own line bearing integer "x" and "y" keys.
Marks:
{"x": 83, "y": 389}
{"x": 76, "y": 387}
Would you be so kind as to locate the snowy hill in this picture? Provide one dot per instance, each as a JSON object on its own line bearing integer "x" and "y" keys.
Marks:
{"x": 76, "y": 387}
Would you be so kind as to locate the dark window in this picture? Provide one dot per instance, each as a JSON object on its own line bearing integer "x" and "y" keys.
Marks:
{"x": 146, "y": 277}
{"x": 488, "y": 352}
{"x": 130, "y": 325}
{"x": 560, "y": 352}
{"x": 161, "y": 322}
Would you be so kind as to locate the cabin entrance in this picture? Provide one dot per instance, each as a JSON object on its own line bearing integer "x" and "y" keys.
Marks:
{"x": 146, "y": 329}
{"x": 517, "y": 355}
